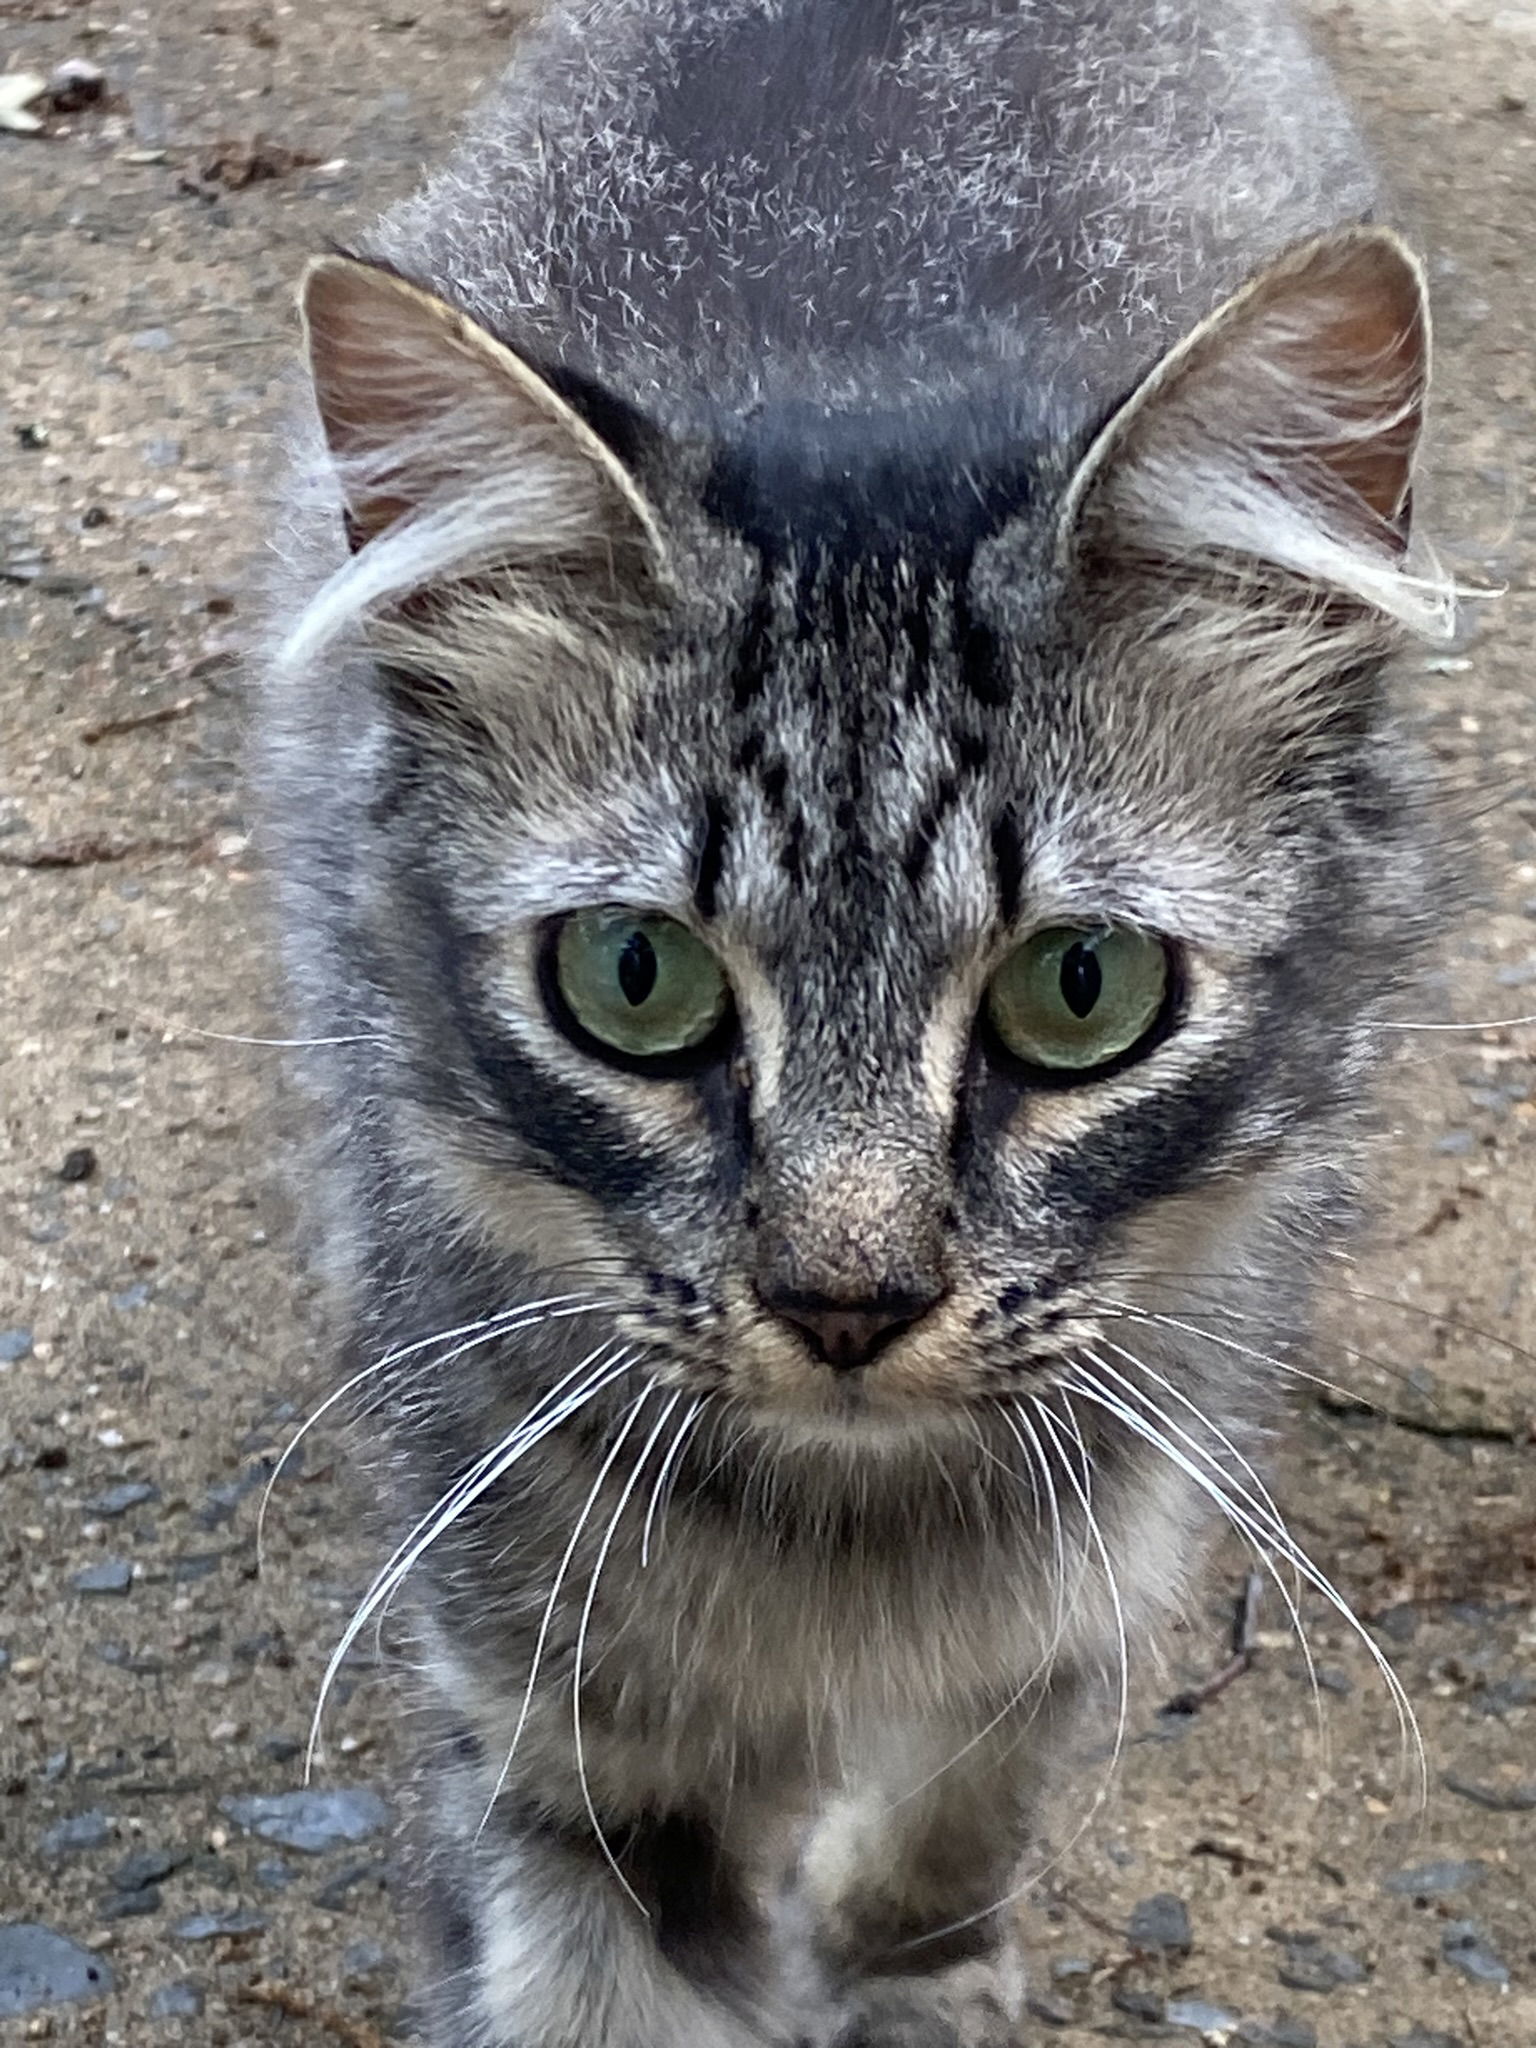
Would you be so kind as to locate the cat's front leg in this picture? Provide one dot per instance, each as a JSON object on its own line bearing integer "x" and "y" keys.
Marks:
{"x": 907, "y": 1886}
{"x": 539, "y": 1946}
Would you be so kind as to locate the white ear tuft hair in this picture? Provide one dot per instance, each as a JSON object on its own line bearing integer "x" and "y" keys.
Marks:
{"x": 449, "y": 452}
{"x": 1282, "y": 431}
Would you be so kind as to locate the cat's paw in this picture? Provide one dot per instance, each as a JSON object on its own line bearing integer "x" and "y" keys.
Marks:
{"x": 974, "y": 2004}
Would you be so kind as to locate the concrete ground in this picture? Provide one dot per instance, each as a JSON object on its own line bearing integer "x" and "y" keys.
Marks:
{"x": 1247, "y": 1879}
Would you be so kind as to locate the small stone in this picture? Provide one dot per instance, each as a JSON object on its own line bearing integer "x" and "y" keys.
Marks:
{"x": 1506, "y": 1695}
{"x": 79, "y": 1164}
{"x": 1281, "y": 2032}
{"x": 181, "y": 2000}
{"x": 113, "y": 1576}
{"x": 362, "y": 1961}
{"x": 149, "y": 1866}
{"x": 1197, "y": 2014}
{"x": 209, "y": 1926}
{"x": 334, "y": 1895}
{"x": 1141, "y": 2005}
{"x": 1512, "y": 102}
{"x": 281, "y": 1748}
{"x": 56, "y": 1765}
{"x": 1321, "y": 1969}
{"x": 1435, "y": 1880}
{"x": 15, "y": 1345}
{"x": 310, "y": 1821}
{"x": 273, "y": 1874}
{"x": 156, "y": 340}
{"x": 39, "y": 1967}
{"x": 1507, "y": 1792}
{"x": 75, "y": 84}
{"x": 117, "y": 1500}
{"x": 131, "y": 1905}
{"x": 79, "y": 1832}
{"x": 1463, "y": 1947}
{"x": 1161, "y": 1922}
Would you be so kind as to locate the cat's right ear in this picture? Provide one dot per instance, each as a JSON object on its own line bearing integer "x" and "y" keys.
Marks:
{"x": 423, "y": 409}
{"x": 1283, "y": 431}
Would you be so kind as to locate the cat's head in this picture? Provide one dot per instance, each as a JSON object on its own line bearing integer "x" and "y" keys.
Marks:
{"x": 866, "y": 894}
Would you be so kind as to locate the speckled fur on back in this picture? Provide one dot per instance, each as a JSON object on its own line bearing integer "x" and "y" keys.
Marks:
{"x": 870, "y": 482}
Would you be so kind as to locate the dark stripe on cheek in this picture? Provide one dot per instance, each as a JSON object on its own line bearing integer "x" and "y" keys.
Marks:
{"x": 982, "y": 667}
{"x": 1008, "y": 865}
{"x": 717, "y": 829}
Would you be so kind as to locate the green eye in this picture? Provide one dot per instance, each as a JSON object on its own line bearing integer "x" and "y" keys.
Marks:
{"x": 1071, "y": 1000}
{"x": 641, "y": 985}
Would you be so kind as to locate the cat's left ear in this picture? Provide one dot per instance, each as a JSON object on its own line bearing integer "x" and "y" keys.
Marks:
{"x": 1283, "y": 430}
{"x": 422, "y": 408}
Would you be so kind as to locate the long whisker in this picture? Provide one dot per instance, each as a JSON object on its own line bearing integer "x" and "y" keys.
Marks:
{"x": 551, "y": 1604}
{"x": 1285, "y": 1543}
{"x": 657, "y": 1505}
{"x": 505, "y": 1323}
{"x": 547, "y": 1415}
{"x": 1266, "y": 1502}
{"x": 586, "y": 1617}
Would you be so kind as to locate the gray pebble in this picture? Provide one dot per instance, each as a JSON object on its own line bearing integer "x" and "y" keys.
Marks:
{"x": 39, "y": 1967}
{"x": 1463, "y": 1948}
{"x": 363, "y": 1960}
{"x": 117, "y": 1500}
{"x": 131, "y": 1905}
{"x": 311, "y": 1821}
{"x": 155, "y": 339}
{"x": 208, "y": 1926}
{"x": 1141, "y": 2005}
{"x": 1161, "y": 1922}
{"x": 114, "y": 1575}
{"x": 334, "y": 1896}
{"x": 182, "y": 2000}
{"x": 1506, "y": 1694}
{"x": 1435, "y": 1880}
{"x": 1321, "y": 1969}
{"x": 273, "y": 1874}
{"x": 161, "y": 452}
{"x": 56, "y": 1765}
{"x": 281, "y": 1748}
{"x": 1455, "y": 1144}
{"x": 134, "y": 1296}
{"x": 15, "y": 1345}
{"x": 1197, "y": 2013}
{"x": 149, "y": 1866}
{"x": 1518, "y": 1797}
{"x": 1049, "y": 2011}
{"x": 80, "y": 1831}
{"x": 1281, "y": 2032}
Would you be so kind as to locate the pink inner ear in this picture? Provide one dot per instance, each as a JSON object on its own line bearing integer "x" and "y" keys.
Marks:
{"x": 384, "y": 364}
{"x": 1365, "y": 351}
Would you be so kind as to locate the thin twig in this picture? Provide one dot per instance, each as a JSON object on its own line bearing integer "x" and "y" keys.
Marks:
{"x": 1244, "y": 1625}
{"x": 136, "y": 721}
{"x": 89, "y": 851}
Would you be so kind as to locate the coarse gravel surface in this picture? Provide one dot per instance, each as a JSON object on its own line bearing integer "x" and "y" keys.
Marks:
{"x": 164, "y": 1874}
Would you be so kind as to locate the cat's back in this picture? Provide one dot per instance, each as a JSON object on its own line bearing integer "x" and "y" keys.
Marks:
{"x": 710, "y": 201}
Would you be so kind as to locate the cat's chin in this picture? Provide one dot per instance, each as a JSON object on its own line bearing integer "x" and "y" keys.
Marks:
{"x": 854, "y": 1424}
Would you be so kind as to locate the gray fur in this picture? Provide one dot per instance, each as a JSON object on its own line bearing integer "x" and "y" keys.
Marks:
{"x": 856, "y": 647}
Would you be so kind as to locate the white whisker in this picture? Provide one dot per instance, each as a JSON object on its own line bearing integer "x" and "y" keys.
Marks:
{"x": 483, "y": 1475}
{"x": 586, "y": 1617}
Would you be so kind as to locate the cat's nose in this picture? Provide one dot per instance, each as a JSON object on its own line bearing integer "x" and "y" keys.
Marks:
{"x": 848, "y": 1334}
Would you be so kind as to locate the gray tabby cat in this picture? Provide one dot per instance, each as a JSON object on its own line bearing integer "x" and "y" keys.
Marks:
{"x": 840, "y": 814}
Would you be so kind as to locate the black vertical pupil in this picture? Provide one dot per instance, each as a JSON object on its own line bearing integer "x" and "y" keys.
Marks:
{"x": 1082, "y": 979}
{"x": 637, "y": 969}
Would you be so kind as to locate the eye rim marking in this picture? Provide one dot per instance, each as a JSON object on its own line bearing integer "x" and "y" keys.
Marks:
{"x": 720, "y": 1044}
{"x": 1169, "y": 1016}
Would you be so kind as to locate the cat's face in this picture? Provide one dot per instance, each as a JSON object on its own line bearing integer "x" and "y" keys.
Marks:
{"x": 866, "y": 972}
